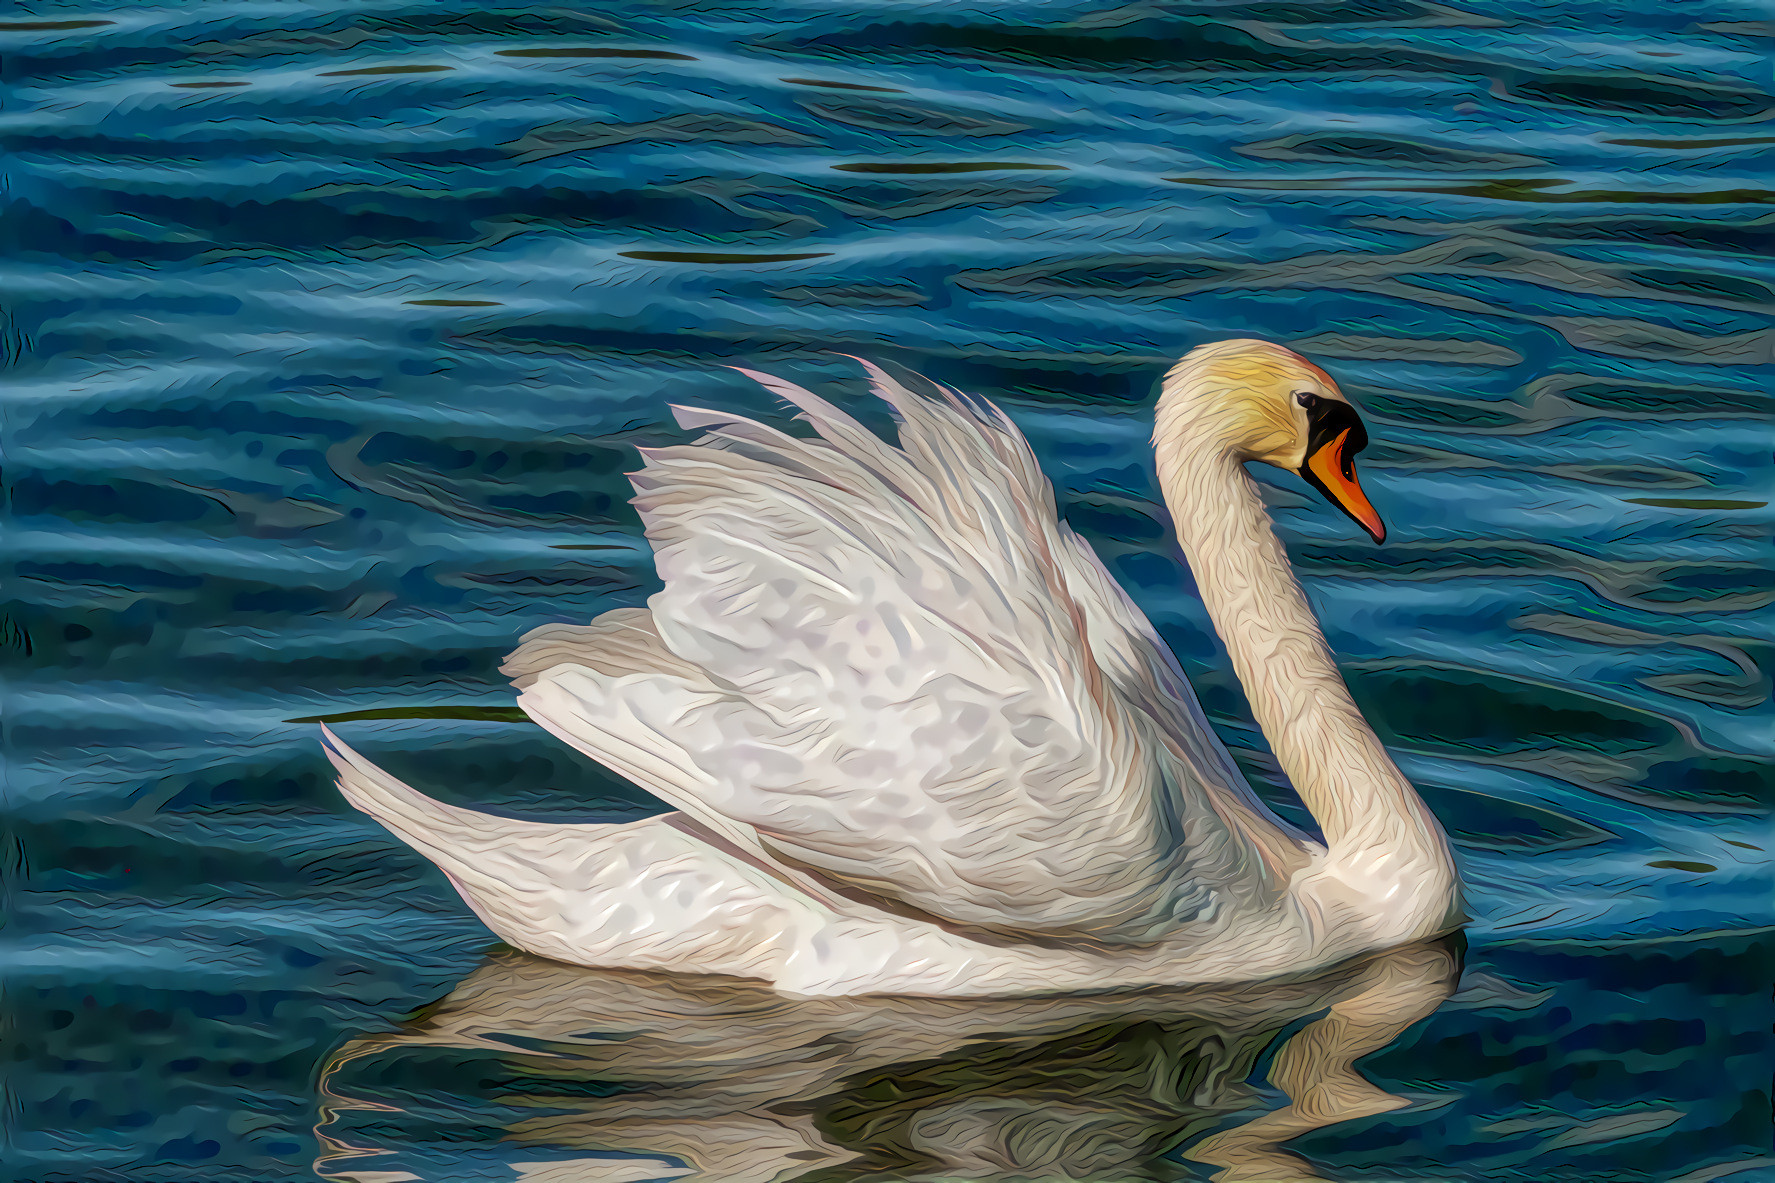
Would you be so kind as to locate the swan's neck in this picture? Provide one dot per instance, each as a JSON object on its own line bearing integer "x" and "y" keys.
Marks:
{"x": 1337, "y": 765}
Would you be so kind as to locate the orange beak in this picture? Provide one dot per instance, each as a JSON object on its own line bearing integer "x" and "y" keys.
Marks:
{"x": 1332, "y": 467}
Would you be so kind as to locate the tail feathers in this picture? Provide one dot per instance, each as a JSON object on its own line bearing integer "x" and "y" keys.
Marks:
{"x": 647, "y": 894}
{"x": 475, "y": 849}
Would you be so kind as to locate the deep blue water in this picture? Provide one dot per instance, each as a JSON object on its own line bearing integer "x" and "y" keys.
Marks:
{"x": 330, "y": 329}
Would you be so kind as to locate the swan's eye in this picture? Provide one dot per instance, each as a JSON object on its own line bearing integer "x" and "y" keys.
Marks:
{"x": 1307, "y": 399}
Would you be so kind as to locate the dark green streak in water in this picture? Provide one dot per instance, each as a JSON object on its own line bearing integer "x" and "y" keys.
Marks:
{"x": 590, "y": 51}
{"x": 1695, "y": 502}
{"x": 843, "y": 85}
{"x": 1537, "y": 189}
{"x": 719, "y": 256}
{"x": 369, "y": 70}
{"x": 479, "y": 714}
{"x": 49, "y": 26}
{"x": 959, "y": 166}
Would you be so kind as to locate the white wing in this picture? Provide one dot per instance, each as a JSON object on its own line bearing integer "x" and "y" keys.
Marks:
{"x": 882, "y": 666}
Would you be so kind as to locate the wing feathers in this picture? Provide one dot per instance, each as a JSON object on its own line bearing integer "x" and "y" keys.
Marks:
{"x": 879, "y": 662}
{"x": 844, "y": 433}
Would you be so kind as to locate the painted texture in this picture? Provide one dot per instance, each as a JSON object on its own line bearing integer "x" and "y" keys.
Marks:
{"x": 331, "y": 329}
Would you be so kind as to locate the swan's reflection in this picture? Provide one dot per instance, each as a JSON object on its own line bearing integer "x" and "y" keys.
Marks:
{"x": 630, "y": 1076}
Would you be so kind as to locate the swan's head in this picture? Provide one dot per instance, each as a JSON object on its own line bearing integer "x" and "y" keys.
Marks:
{"x": 1258, "y": 401}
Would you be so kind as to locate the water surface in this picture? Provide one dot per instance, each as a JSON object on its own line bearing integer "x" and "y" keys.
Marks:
{"x": 330, "y": 329}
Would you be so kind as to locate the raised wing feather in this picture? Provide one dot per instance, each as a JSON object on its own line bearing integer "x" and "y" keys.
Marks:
{"x": 1138, "y": 664}
{"x": 899, "y": 683}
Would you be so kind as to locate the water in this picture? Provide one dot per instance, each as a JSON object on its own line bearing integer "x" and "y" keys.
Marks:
{"x": 331, "y": 328}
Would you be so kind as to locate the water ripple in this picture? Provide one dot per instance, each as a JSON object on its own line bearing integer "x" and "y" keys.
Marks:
{"x": 330, "y": 331}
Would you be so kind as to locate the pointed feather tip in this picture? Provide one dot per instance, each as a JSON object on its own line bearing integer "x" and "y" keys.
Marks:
{"x": 784, "y": 389}
{"x": 771, "y": 381}
{"x": 768, "y": 381}
{"x": 816, "y": 410}
{"x": 647, "y": 472}
{"x": 874, "y": 371}
{"x": 691, "y": 418}
{"x": 339, "y": 753}
{"x": 884, "y": 385}
{"x": 337, "y": 747}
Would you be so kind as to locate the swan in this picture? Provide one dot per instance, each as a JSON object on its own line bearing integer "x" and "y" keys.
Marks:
{"x": 918, "y": 741}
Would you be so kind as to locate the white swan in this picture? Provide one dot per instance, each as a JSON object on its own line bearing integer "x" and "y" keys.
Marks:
{"x": 918, "y": 739}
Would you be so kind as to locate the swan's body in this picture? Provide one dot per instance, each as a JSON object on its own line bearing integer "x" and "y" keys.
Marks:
{"x": 921, "y": 742}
